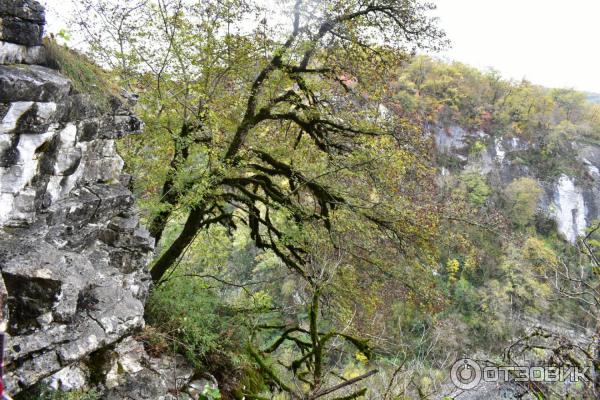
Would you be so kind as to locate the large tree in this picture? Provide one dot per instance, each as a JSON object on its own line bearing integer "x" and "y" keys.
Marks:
{"x": 277, "y": 118}
{"x": 305, "y": 141}
{"x": 182, "y": 59}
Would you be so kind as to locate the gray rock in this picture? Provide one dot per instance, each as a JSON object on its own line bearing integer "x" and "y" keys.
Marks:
{"x": 28, "y": 10}
{"x": 133, "y": 374}
{"x": 17, "y": 30}
{"x": 12, "y": 53}
{"x": 32, "y": 83}
{"x": 450, "y": 139}
{"x": 199, "y": 386}
{"x": 72, "y": 252}
{"x": 21, "y": 22}
{"x": 73, "y": 377}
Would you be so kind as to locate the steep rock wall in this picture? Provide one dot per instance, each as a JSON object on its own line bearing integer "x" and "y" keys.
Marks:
{"x": 72, "y": 252}
{"x": 572, "y": 201}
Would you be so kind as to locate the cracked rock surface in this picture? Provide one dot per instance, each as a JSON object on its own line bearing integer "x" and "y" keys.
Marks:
{"x": 126, "y": 371}
{"x": 22, "y": 22}
{"x": 72, "y": 252}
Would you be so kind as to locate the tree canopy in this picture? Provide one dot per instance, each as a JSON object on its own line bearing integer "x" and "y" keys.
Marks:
{"x": 284, "y": 133}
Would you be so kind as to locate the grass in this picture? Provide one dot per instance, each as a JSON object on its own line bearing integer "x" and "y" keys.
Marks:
{"x": 86, "y": 76}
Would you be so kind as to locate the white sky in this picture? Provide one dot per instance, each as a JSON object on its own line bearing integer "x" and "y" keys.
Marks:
{"x": 549, "y": 42}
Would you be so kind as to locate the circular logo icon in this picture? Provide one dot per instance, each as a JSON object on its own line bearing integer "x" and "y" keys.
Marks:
{"x": 465, "y": 374}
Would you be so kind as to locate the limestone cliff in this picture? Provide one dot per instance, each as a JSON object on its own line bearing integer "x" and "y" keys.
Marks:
{"x": 571, "y": 199}
{"x": 72, "y": 252}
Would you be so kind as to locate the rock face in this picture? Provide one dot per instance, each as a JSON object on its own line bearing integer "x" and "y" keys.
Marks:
{"x": 133, "y": 374}
{"x": 127, "y": 371}
{"x": 72, "y": 252}
{"x": 569, "y": 209}
{"x": 22, "y": 22}
{"x": 571, "y": 201}
{"x": 21, "y": 28}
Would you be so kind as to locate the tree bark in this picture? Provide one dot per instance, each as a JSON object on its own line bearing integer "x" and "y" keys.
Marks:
{"x": 168, "y": 195}
{"x": 596, "y": 363}
{"x": 169, "y": 257}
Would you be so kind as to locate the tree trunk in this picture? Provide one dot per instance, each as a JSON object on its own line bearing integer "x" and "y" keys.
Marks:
{"x": 159, "y": 222}
{"x": 169, "y": 257}
{"x": 596, "y": 364}
{"x": 168, "y": 195}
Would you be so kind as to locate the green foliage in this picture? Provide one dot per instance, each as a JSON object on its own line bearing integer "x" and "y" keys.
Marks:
{"x": 204, "y": 309}
{"x": 540, "y": 255}
{"x": 189, "y": 310}
{"x": 522, "y": 197}
{"x": 452, "y": 268}
{"x": 477, "y": 148}
{"x": 476, "y": 187}
{"x": 64, "y": 34}
{"x": 210, "y": 393}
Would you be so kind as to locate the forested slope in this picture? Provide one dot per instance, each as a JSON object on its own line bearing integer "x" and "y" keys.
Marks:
{"x": 512, "y": 183}
{"x": 338, "y": 217}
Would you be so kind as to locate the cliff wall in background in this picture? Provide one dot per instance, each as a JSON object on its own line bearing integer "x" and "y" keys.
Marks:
{"x": 570, "y": 199}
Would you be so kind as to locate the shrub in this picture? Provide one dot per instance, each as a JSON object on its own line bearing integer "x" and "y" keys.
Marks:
{"x": 477, "y": 189}
{"x": 190, "y": 312}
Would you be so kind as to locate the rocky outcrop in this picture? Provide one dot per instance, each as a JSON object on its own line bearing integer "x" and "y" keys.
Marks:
{"x": 572, "y": 201}
{"x": 21, "y": 28}
{"x": 22, "y": 22}
{"x": 127, "y": 371}
{"x": 72, "y": 252}
{"x": 134, "y": 374}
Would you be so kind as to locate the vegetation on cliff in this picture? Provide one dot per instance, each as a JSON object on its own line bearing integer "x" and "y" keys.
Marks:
{"x": 86, "y": 76}
{"x": 307, "y": 235}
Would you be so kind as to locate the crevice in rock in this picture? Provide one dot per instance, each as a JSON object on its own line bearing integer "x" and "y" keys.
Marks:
{"x": 28, "y": 298}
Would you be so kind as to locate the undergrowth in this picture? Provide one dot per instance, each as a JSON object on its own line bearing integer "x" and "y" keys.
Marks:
{"x": 186, "y": 310}
{"x": 187, "y": 317}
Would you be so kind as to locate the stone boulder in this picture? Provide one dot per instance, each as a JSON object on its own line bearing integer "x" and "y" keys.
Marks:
{"x": 21, "y": 29}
